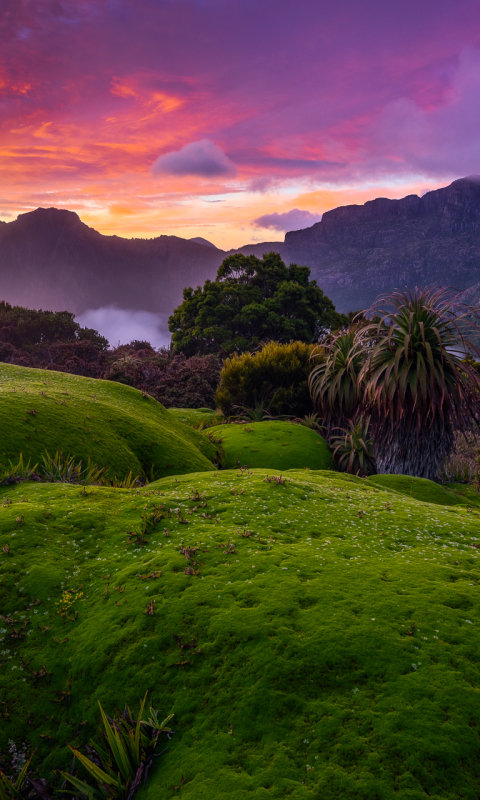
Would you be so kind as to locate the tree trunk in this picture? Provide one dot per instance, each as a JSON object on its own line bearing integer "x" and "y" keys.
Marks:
{"x": 419, "y": 452}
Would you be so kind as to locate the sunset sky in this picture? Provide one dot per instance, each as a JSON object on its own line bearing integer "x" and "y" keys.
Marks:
{"x": 234, "y": 120}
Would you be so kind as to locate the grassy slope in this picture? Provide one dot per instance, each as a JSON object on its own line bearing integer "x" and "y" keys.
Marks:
{"x": 305, "y": 661}
{"x": 273, "y": 445}
{"x": 111, "y": 423}
{"x": 194, "y": 416}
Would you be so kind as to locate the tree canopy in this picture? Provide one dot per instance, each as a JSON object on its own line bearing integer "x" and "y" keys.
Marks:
{"x": 252, "y": 300}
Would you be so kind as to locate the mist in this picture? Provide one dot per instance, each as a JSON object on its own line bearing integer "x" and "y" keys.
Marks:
{"x": 123, "y": 325}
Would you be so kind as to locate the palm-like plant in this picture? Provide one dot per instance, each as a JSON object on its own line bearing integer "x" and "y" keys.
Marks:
{"x": 334, "y": 383}
{"x": 418, "y": 386}
{"x": 353, "y": 449}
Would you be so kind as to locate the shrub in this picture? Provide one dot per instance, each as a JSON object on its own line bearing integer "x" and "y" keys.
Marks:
{"x": 277, "y": 371}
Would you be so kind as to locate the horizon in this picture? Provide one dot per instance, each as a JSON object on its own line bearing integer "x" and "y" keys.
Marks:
{"x": 233, "y": 121}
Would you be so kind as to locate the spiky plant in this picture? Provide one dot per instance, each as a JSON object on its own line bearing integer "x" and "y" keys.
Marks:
{"x": 334, "y": 383}
{"x": 418, "y": 387}
{"x": 353, "y": 449}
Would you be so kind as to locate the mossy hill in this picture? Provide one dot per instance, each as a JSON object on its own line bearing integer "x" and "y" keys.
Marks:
{"x": 115, "y": 425}
{"x": 331, "y": 651}
{"x": 273, "y": 445}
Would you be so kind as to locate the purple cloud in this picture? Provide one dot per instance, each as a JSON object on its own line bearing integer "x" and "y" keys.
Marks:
{"x": 293, "y": 220}
{"x": 201, "y": 158}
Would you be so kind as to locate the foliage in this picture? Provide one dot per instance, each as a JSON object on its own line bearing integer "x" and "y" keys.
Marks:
{"x": 353, "y": 449}
{"x": 251, "y": 301}
{"x": 62, "y": 468}
{"x": 17, "y": 473}
{"x": 122, "y": 762}
{"x": 312, "y": 421}
{"x": 334, "y": 382}
{"x": 418, "y": 387}
{"x": 26, "y": 328}
{"x": 276, "y": 375}
{"x": 173, "y": 379}
{"x": 313, "y": 613}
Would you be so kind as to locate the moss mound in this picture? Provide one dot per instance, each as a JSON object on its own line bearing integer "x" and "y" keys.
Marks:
{"x": 111, "y": 423}
{"x": 333, "y": 653}
{"x": 273, "y": 445}
{"x": 420, "y": 489}
{"x": 195, "y": 416}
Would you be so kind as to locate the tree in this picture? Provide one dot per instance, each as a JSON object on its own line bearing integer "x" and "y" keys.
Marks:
{"x": 251, "y": 301}
{"x": 418, "y": 387}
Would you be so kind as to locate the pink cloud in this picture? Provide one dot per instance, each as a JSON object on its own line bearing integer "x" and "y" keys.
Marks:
{"x": 292, "y": 220}
{"x": 202, "y": 158}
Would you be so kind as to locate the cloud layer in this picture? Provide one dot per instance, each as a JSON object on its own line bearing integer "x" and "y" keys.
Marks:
{"x": 253, "y": 104}
{"x": 293, "y": 220}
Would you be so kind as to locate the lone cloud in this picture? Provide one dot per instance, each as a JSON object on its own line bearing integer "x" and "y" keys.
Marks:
{"x": 201, "y": 158}
{"x": 293, "y": 220}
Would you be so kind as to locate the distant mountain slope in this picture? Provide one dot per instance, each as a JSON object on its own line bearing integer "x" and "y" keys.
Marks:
{"x": 50, "y": 259}
{"x": 358, "y": 252}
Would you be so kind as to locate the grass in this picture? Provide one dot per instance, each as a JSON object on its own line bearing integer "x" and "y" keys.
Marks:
{"x": 111, "y": 423}
{"x": 332, "y": 653}
{"x": 273, "y": 445}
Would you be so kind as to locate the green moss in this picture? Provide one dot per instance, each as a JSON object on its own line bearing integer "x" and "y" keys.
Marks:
{"x": 194, "y": 416}
{"x": 273, "y": 445}
{"x": 113, "y": 424}
{"x": 305, "y": 659}
{"x": 420, "y": 489}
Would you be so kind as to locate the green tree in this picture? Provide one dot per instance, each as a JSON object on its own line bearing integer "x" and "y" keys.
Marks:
{"x": 251, "y": 301}
{"x": 418, "y": 387}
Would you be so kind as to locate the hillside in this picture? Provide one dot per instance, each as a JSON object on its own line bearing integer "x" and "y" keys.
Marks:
{"x": 359, "y": 252}
{"x": 332, "y": 651}
{"x": 111, "y": 423}
{"x": 50, "y": 259}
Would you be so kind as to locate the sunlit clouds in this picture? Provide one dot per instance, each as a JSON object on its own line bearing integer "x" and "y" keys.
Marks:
{"x": 232, "y": 120}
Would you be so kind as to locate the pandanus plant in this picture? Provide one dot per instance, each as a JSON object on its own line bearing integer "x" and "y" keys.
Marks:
{"x": 418, "y": 386}
{"x": 334, "y": 383}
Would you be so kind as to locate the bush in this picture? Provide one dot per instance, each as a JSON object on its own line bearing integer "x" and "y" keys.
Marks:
{"x": 277, "y": 372}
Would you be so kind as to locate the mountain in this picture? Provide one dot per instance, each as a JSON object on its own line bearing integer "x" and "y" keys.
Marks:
{"x": 50, "y": 259}
{"x": 201, "y": 240}
{"x": 358, "y": 252}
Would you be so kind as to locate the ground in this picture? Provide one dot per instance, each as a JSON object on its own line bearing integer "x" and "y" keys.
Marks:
{"x": 273, "y": 445}
{"x": 331, "y": 631}
{"x": 115, "y": 425}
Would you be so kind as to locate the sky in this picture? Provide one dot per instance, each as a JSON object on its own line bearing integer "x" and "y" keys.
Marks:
{"x": 234, "y": 120}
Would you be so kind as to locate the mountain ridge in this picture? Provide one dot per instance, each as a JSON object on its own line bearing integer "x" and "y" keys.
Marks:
{"x": 49, "y": 258}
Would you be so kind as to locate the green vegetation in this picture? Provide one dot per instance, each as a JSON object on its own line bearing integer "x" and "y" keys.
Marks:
{"x": 251, "y": 301}
{"x": 196, "y": 417}
{"x": 277, "y": 375}
{"x": 113, "y": 425}
{"x": 273, "y": 445}
{"x": 418, "y": 389}
{"x": 323, "y": 644}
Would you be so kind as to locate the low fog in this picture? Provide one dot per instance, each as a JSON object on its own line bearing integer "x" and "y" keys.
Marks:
{"x": 123, "y": 325}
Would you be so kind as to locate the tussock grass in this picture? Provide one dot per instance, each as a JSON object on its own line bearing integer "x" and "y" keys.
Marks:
{"x": 333, "y": 652}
